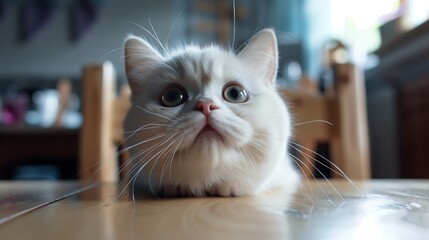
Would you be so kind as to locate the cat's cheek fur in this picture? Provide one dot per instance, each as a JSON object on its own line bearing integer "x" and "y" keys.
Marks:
{"x": 233, "y": 130}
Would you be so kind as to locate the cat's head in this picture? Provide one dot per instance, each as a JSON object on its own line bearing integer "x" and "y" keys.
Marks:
{"x": 198, "y": 111}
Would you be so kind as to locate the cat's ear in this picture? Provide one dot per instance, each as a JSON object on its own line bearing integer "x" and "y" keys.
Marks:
{"x": 261, "y": 55}
{"x": 140, "y": 59}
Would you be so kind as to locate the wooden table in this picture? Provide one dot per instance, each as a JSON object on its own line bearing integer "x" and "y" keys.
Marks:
{"x": 394, "y": 209}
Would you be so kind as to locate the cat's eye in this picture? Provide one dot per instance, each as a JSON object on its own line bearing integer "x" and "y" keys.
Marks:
{"x": 235, "y": 93}
{"x": 173, "y": 96}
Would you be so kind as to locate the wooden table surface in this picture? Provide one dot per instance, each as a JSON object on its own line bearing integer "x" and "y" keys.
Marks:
{"x": 393, "y": 209}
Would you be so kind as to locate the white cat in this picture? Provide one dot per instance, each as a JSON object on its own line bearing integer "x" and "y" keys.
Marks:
{"x": 207, "y": 121}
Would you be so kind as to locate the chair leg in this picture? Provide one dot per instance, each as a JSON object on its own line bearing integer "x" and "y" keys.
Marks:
{"x": 353, "y": 127}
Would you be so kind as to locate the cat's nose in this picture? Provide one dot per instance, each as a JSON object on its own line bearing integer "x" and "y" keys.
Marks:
{"x": 206, "y": 106}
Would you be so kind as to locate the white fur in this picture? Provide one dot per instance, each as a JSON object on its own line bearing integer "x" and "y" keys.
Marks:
{"x": 165, "y": 152}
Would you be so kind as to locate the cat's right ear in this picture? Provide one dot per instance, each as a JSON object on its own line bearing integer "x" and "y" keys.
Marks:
{"x": 261, "y": 55}
{"x": 140, "y": 59}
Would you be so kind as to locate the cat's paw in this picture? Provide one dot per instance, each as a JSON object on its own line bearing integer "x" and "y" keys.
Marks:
{"x": 171, "y": 191}
{"x": 222, "y": 190}
{"x": 219, "y": 190}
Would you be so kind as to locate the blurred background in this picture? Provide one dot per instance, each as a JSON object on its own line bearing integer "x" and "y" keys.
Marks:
{"x": 45, "y": 43}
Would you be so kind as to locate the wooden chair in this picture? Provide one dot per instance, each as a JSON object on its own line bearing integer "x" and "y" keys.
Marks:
{"x": 104, "y": 113}
{"x": 346, "y": 129}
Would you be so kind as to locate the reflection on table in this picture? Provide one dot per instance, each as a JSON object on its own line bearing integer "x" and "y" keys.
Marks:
{"x": 339, "y": 209}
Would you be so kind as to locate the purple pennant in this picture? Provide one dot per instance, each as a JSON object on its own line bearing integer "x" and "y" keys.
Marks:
{"x": 83, "y": 16}
{"x": 34, "y": 15}
{"x": 1, "y": 10}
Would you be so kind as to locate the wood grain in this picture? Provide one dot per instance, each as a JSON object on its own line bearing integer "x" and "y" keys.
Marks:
{"x": 97, "y": 149}
{"x": 392, "y": 209}
{"x": 305, "y": 106}
{"x": 20, "y": 197}
{"x": 352, "y": 144}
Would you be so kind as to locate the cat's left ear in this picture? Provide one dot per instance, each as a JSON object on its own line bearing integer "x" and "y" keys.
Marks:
{"x": 140, "y": 59}
{"x": 261, "y": 55}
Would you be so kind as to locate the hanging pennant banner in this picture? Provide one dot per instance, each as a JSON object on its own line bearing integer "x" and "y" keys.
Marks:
{"x": 82, "y": 17}
{"x": 34, "y": 15}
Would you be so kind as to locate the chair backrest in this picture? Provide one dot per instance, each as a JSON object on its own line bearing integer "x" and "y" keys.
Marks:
{"x": 346, "y": 129}
{"x": 104, "y": 112}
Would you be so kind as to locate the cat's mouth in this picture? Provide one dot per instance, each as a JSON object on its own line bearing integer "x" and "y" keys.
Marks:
{"x": 208, "y": 132}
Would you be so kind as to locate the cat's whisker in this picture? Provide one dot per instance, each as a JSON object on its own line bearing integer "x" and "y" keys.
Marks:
{"x": 248, "y": 152}
{"x": 165, "y": 153}
{"x": 145, "y": 127}
{"x": 270, "y": 137}
{"x": 131, "y": 179}
{"x": 265, "y": 55}
{"x": 111, "y": 158}
{"x": 238, "y": 50}
{"x": 114, "y": 50}
{"x": 174, "y": 23}
{"x": 300, "y": 181}
{"x": 170, "y": 159}
{"x": 323, "y": 175}
{"x": 292, "y": 37}
{"x": 156, "y": 114}
{"x": 138, "y": 165}
{"x": 131, "y": 160}
{"x": 246, "y": 42}
{"x": 127, "y": 178}
{"x": 108, "y": 159}
{"x": 180, "y": 154}
{"x": 249, "y": 155}
{"x": 170, "y": 114}
{"x": 318, "y": 183}
{"x": 334, "y": 165}
{"x": 335, "y": 168}
{"x": 146, "y": 153}
{"x": 313, "y": 121}
{"x": 158, "y": 136}
{"x": 174, "y": 71}
{"x": 130, "y": 54}
{"x": 147, "y": 31}
{"x": 137, "y": 70}
{"x": 133, "y": 132}
{"x": 233, "y": 27}
{"x": 159, "y": 155}
{"x": 157, "y": 38}
{"x": 173, "y": 155}
{"x": 257, "y": 145}
{"x": 320, "y": 162}
{"x": 134, "y": 178}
